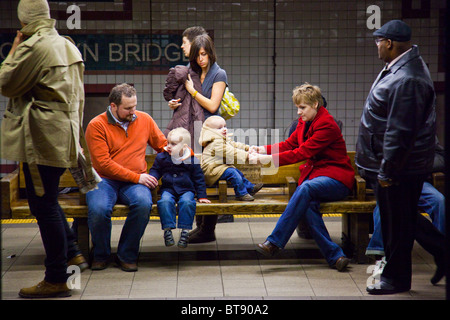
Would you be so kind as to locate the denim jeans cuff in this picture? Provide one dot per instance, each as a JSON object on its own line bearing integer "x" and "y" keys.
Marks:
{"x": 374, "y": 252}
{"x": 168, "y": 226}
{"x": 185, "y": 226}
{"x": 272, "y": 241}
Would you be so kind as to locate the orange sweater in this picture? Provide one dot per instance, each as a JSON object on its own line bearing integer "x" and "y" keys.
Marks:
{"x": 120, "y": 155}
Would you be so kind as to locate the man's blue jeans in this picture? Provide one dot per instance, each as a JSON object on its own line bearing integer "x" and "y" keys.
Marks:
{"x": 237, "y": 179}
{"x": 431, "y": 201}
{"x": 305, "y": 202}
{"x": 100, "y": 204}
{"x": 167, "y": 211}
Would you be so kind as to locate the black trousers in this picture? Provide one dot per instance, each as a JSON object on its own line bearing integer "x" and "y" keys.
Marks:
{"x": 57, "y": 237}
{"x": 401, "y": 224}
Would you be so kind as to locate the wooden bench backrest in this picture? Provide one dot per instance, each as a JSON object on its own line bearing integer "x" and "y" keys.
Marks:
{"x": 275, "y": 176}
{"x": 67, "y": 180}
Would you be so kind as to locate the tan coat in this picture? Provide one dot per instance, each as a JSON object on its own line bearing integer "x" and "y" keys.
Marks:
{"x": 44, "y": 81}
{"x": 219, "y": 154}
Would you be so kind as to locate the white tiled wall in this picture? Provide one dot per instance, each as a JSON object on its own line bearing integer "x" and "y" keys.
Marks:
{"x": 324, "y": 42}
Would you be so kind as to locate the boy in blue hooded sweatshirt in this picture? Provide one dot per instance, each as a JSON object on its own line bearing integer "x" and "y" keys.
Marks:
{"x": 182, "y": 179}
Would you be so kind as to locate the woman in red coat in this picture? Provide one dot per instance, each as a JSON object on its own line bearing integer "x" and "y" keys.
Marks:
{"x": 327, "y": 174}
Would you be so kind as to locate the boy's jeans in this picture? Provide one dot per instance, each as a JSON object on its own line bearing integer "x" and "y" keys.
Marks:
{"x": 100, "y": 204}
{"x": 305, "y": 201}
{"x": 186, "y": 210}
{"x": 237, "y": 179}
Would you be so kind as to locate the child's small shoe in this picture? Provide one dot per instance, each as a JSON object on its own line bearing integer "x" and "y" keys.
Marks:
{"x": 184, "y": 238}
{"x": 245, "y": 197}
{"x": 168, "y": 238}
{"x": 256, "y": 188}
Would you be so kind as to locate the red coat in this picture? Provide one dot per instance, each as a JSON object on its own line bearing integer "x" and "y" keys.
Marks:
{"x": 324, "y": 150}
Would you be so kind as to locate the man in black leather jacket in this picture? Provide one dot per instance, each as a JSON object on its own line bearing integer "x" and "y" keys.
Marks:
{"x": 395, "y": 147}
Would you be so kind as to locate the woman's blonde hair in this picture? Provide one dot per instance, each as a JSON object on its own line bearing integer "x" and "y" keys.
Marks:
{"x": 183, "y": 135}
{"x": 307, "y": 94}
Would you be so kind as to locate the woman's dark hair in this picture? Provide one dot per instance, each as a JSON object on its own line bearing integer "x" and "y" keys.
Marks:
{"x": 202, "y": 41}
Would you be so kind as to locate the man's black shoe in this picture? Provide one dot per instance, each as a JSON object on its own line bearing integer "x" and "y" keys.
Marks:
{"x": 438, "y": 275}
{"x": 384, "y": 288}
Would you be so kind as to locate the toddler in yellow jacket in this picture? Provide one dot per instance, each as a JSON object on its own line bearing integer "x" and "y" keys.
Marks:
{"x": 220, "y": 153}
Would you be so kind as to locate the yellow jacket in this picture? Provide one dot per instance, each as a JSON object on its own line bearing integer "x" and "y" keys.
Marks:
{"x": 219, "y": 154}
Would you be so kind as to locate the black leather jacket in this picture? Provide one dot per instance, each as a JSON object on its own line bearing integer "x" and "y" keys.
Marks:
{"x": 398, "y": 124}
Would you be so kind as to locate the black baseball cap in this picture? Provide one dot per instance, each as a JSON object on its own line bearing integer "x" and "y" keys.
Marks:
{"x": 395, "y": 30}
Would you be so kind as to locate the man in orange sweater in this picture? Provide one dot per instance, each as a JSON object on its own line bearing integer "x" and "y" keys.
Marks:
{"x": 117, "y": 140}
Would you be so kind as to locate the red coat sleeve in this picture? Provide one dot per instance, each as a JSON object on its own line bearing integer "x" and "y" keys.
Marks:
{"x": 294, "y": 150}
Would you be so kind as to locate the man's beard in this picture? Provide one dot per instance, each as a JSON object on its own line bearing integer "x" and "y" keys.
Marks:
{"x": 126, "y": 119}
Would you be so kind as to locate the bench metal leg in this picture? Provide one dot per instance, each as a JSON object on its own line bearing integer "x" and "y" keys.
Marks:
{"x": 355, "y": 235}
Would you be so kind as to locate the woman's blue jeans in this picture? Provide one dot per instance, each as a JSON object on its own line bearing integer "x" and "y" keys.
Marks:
{"x": 100, "y": 205}
{"x": 329, "y": 249}
{"x": 167, "y": 211}
{"x": 237, "y": 179}
{"x": 305, "y": 202}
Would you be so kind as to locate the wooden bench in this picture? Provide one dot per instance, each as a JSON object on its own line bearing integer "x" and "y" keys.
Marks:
{"x": 356, "y": 210}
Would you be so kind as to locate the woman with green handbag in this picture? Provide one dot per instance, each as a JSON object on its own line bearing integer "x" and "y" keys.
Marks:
{"x": 202, "y": 59}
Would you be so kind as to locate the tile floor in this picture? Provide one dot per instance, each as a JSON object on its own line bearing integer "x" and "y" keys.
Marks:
{"x": 228, "y": 268}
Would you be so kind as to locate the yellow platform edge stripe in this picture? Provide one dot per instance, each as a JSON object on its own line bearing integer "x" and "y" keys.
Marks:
{"x": 245, "y": 216}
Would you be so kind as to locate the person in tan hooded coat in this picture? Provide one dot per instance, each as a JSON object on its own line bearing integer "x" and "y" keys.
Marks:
{"x": 220, "y": 154}
{"x": 43, "y": 77}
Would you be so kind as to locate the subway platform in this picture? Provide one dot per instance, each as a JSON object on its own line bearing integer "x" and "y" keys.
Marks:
{"x": 226, "y": 269}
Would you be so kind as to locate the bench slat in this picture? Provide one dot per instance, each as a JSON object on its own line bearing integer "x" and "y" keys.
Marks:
{"x": 272, "y": 205}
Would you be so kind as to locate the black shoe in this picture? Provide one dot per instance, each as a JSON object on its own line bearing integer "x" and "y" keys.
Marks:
{"x": 439, "y": 260}
{"x": 184, "y": 239}
{"x": 194, "y": 231}
{"x": 168, "y": 238}
{"x": 383, "y": 287}
{"x": 201, "y": 237}
{"x": 438, "y": 275}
